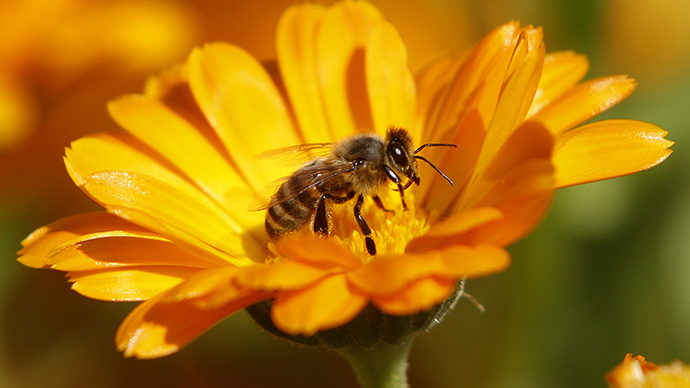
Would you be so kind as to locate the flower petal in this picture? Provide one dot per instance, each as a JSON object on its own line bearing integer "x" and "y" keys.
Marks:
{"x": 455, "y": 225}
{"x": 608, "y": 149}
{"x": 243, "y": 105}
{"x": 325, "y": 305}
{"x": 390, "y": 84}
{"x": 316, "y": 251}
{"x": 388, "y": 275}
{"x": 516, "y": 95}
{"x": 111, "y": 249}
{"x": 154, "y": 329}
{"x": 129, "y": 284}
{"x": 420, "y": 295}
{"x": 585, "y": 101}
{"x": 171, "y": 206}
{"x": 433, "y": 82}
{"x": 42, "y": 241}
{"x": 296, "y": 47}
{"x": 562, "y": 70}
{"x": 189, "y": 150}
{"x": 341, "y": 42}
{"x": 283, "y": 275}
{"x": 487, "y": 56}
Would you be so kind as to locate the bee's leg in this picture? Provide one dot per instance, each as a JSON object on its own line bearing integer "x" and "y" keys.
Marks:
{"x": 366, "y": 231}
{"x": 377, "y": 201}
{"x": 393, "y": 177}
{"x": 321, "y": 217}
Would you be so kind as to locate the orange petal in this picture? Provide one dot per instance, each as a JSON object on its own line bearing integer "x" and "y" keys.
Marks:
{"x": 483, "y": 58}
{"x": 585, "y": 101}
{"x": 389, "y": 81}
{"x": 388, "y": 275}
{"x": 341, "y": 41}
{"x": 515, "y": 98}
{"x": 121, "y": 249}
{"x": 283, "y": 275}
{"x": 41, "y": 242}
{"x": 188, "y": 149}
{"x": 433, "y": 82}
{"x": 156, "y": 329}
{"x": 608, "y": 149}
{"x": 327, "y": 304}
{"x": 420, "y": 295}
{"x": 457, "y": 224}
{"x": 243, "y": 105}
{"x": 523, "y": 198}
{"x": 296, "y": 47}
{"x": 458, "y": 164}
{"x": 128, "y": 284}
{"x": 562, "y": 70}
{"x": 316, "y": 251}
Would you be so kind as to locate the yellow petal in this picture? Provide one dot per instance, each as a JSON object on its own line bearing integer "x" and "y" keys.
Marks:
{"x": 128, "y": 284}
{"x": 562, "y": 70}
{"x": 389, "y": 81}
{"x": 433, "y": 82}
{"x": 243, "y": 105}
{"x": 608, "y": 149}
{"x": 325, "y": 305}
{"x": 296, "y": 47}
{"x": 388, "y": 275}
{"x": 188, "y": 149}
{"x": 154, "y": 329}
{"x": 171, "y": 206}
{"x": 117, "y": 248}
{"x": 41, "y": 242}
{"x": 341, "y": 41}
{"x": 421, "y": 295}
{"x": 585, "y": 101}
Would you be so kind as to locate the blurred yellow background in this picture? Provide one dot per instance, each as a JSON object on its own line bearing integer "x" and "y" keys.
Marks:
{"x": 608, "y": 272}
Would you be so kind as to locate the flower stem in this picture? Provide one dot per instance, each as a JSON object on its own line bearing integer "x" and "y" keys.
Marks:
{"x": 383, "y": 366}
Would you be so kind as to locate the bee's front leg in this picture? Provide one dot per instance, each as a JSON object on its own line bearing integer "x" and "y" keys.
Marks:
{"x": 379, "y": 203}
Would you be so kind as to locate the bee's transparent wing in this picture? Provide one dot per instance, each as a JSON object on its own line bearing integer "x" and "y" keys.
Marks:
{"x": 302, "y": 181}
{"x": 297, "y": 154}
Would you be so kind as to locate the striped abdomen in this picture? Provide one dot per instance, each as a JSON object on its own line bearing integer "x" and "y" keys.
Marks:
{"x": 289, "y": 215}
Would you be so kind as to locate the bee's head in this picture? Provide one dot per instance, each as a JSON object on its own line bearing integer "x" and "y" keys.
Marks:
{"x": 400, "y": 154}
{"x": 402, "y": 157}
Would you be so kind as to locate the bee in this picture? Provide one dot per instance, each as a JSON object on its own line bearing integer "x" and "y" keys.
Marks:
{"x": 356, "y": 166}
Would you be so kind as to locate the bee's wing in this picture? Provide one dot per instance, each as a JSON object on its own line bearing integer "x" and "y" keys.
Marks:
{"x": 302, "y": 180}
{"x": 297, "y": 154}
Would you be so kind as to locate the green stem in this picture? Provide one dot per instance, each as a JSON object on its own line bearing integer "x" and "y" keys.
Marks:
{"x": 383, "y": 366}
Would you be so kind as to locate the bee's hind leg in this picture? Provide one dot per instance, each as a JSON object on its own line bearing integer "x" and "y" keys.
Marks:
{"x": 366, "y": 230}
{"x": 321, "y": 221}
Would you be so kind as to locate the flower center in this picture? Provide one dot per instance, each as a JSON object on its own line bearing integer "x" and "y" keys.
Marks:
{"x": 391, "y": 230}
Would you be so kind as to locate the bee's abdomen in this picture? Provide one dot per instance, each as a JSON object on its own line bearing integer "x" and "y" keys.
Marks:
{"x": 289, "y": 215}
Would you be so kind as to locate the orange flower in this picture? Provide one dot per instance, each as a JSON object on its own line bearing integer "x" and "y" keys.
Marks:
{"x": 177, "y": 234}
{"x": 636, "y": 372}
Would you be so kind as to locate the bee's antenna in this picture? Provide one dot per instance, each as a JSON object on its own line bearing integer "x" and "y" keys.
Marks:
{"x": 421, "y": 147}
{"x": 434, "y": 167}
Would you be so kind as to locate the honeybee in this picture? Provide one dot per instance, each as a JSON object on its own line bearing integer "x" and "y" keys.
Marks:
{"x": 356, "y": 166}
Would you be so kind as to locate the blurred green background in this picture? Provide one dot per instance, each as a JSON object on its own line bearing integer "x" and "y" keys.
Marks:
{"x": 608, "y": 271}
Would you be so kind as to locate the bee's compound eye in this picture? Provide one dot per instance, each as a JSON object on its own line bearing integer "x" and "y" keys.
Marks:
{"x": 398, "y": 155}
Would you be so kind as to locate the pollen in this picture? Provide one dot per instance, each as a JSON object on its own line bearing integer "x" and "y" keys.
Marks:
{"x": 391, "y": 230}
